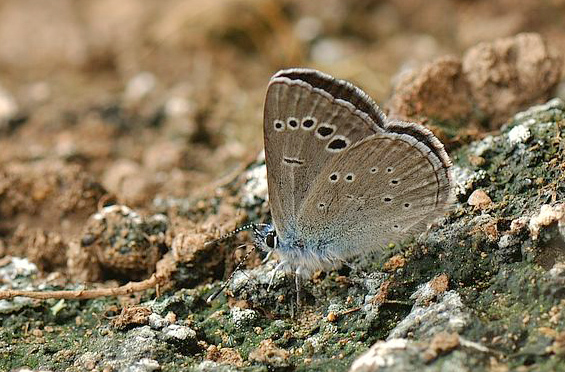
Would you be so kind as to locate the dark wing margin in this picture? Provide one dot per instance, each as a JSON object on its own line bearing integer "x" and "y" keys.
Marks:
{"x": 339, "y": 89}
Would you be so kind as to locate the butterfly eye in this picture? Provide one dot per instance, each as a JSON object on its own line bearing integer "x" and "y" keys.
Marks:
{"x": 271, "y": 239}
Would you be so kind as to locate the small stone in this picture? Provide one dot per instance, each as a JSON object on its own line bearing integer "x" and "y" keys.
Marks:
{"x": 134, "y": 315}
{"x": 171, "y": 317}
{"x": 156, "y": 321}
{"x": 380, "y": 355}
{"x": 440, "y": 343}
{"x": 427, "y": 318}
{"x": 506, "y": 241}
{"x": 519, "y": 134}
{"x": 243, "y": 317}
{"x": 430, "y": 290}
{"x": 329, "y": 50}
{"x": 144, "y": 365}
{"x": 479, "y": 199}
{"x": 224, "y": 355}
{"x": 332, "y": 317}
{"x": 177, "y": 107}
{"x": 518, "y": 224}
{"x": 37, "y": 332}
{"x": 255, "y": 189}
{"x": 548, "y": 214}
{"x": 178, "y": 332}
{"x": 8, "y": 107}
{"x": 395, "y": 262}
{"x": 139, "y": 87}
{"x": 269, "y": 353}
{"x": 476, "y": 161}
{"x": 308, "y": 28}
{"x": 120, "y": 242}
{"x": 440, "y": 283}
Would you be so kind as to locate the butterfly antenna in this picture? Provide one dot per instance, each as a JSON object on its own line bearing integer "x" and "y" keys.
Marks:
{"x": 227, "y": 282}
{"x": 250, "y": 226}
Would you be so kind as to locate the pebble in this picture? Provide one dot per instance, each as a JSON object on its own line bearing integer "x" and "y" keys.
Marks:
{"x": 8, "y": 107}
{"x": 479, "y": 199}
{"x": 139, "y": 87}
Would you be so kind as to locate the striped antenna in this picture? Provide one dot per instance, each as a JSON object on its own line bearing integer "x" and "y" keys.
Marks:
{"x": 250, "y": 226}
{"x": 237, "y": 268}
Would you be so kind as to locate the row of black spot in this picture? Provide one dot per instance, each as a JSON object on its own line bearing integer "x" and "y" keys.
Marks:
{"x": 323, "y": 131}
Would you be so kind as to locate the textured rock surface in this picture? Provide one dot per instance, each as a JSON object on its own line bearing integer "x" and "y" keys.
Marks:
{"x": 482, "y": 290}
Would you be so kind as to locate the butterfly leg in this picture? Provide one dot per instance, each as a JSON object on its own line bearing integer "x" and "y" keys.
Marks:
{"x": 274, "y": 272}
{"x": 298, "y": 283}
{"x": 267, "y": 257}
{"x": 297, "y": 280}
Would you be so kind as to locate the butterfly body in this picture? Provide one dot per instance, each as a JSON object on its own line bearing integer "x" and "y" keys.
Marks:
{"x": 343, "y": 180}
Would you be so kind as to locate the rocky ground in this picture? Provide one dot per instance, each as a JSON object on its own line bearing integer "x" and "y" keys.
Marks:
{"x": 128, "y": 140}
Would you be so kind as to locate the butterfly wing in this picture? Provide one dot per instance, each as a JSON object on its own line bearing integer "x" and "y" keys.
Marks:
{"x": 310, "y": 118}
{"x": 384, "y": 188}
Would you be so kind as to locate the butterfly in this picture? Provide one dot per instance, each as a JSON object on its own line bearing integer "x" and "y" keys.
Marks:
{"x": 343, "y": 180}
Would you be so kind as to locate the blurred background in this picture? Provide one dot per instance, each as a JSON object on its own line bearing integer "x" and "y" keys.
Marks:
{"x": 143, "y": 99}
{"x": 170, "y": 92}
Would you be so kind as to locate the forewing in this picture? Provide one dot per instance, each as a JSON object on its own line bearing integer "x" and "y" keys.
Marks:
{"x": 310, "y": 119}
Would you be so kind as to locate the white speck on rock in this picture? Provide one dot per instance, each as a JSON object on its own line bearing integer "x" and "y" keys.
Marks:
{"x": 256, "y": 186}
{"x": 243, "y": 317}
{"x": 144, "y": 365}
{"x": 156, "y": 321}
{"x": 179, "y": 332}
{"x": 464, "y": 179}
{"x": 18, "y": 267}
{"x": 519, "y": 134}
{"x": 479, "y": 148}
{"x": 115, "y": 209}
{"x": 548, "y": 214}
{"x": 178, "y": 106}
{"x": 424, "y": 293}
{"x": 8, "y": 106}
{"x": 139, "y": 87}
{"x": 210, "y": 366}
{"x": 505, "y": 241}
{"x": 555, "y": 103}
{"x": 448, "y": 314}
{"x": 379, "y": 355}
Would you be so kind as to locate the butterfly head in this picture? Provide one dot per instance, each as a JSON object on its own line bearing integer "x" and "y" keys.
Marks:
{"x": 266, "y": 237}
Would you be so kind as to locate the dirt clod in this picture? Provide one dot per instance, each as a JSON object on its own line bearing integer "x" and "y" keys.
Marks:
{"x": 510, "y": 73}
